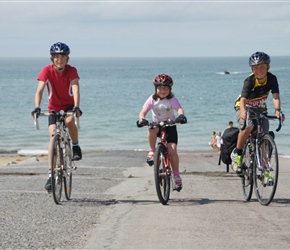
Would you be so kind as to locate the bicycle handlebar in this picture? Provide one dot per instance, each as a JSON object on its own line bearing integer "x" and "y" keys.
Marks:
{"x": 157, "y": 124}
{"x": 62, "y": 113}
{"x": 255, "y": 113}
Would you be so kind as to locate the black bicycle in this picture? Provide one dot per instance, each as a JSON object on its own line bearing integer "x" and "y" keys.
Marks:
{"x": 260, "y": 167}
{"x": 62, "y": 164}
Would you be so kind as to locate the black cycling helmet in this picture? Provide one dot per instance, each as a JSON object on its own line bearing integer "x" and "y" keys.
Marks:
{"x": 59, "y": 48}
{"x": 259, "y": 58}
{"x": 163, "y": 80}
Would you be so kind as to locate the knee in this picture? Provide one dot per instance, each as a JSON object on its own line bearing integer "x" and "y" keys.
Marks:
{"x": 172, "y": 150}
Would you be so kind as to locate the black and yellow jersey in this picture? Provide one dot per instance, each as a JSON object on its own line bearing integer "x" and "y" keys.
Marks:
{"x": 256, "y": 93}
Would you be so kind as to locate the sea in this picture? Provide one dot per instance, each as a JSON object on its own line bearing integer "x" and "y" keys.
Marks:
{"x": 113, "y": 91}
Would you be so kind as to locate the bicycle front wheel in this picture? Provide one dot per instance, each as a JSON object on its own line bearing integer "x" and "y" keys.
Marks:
{"x": 68, "y": 174}
{"x": 266, "y": 179}
{"x": 56, "y": 170}
{"x": 247, "y": 172}
{"x": 162, "y": 175}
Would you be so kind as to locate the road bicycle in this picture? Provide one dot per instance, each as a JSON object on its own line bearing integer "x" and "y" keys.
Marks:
{"x": 260, "y": 164}
{"x": 62, "y": 164}
{"x": 162, "y": 167}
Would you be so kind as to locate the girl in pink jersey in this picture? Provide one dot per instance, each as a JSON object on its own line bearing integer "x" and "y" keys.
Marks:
{"x": 62, "y": 82}
{"x": 163, "y": 103}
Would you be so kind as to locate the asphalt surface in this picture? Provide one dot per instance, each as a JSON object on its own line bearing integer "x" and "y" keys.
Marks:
{"x": 114, "y": 206}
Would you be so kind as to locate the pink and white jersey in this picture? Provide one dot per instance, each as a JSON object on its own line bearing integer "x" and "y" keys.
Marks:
{"x": 162, "y": 109}
{"x": 59, "y": 86}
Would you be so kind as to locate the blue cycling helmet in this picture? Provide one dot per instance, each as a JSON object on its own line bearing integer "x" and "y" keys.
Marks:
{"x": 59, "y": 48}
{"x": 259, "y": 58}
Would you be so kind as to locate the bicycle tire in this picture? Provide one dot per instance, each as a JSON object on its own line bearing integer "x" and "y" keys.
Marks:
{"x": 67, "y": 177}
{"x": 265, "y": 186}
{"x": 247, "y": 172}
{"x": 162, "y": 177}
{"x": 56, "y": 170}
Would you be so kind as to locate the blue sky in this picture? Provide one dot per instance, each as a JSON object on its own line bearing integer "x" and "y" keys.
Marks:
{"x": 145, "y": 28}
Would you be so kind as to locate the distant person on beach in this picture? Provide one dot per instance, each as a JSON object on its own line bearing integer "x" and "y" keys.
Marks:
{"x": 163, "y": 103}
{"x": 231, "y": 124}
{"x": 255, "y": 91}
{"x": 218, "y": 140}
{"x": 62, "y": 82}
{"x": 213, "y": 142}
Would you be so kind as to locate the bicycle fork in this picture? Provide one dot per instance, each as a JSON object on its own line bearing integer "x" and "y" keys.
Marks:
{"x": 166, "y": 171}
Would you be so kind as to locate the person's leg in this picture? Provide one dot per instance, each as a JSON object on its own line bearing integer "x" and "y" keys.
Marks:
{"x": 174, "y": 158}
{"x": 152, "y": 138}
{"x": 236, "y": 155}
{"x": 172, "y": 140}
{"x": 73, "y": 133}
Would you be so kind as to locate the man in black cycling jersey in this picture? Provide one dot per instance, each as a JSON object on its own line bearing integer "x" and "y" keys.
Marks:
{"x": 255, "y": 91}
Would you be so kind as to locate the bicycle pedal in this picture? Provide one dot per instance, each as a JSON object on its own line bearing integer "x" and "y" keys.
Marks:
{"x": 178, "y": 189}
{"x": 150, "y": 162}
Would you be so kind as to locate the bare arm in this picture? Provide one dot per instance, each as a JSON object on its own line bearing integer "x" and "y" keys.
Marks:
{"x": 180, "y": 111}
{"x": 142, "y": 114}
{"x": 76, "y": 92}
{"x": 38, "y": 94}
{"x": 243, "y": 114}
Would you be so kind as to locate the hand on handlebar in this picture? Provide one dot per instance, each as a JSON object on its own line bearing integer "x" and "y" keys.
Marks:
{"x": 36, "y": 111}
{"x": 77, "y": 111}
{"x": 181, "y": 119}
{"x": 143, "y": 123}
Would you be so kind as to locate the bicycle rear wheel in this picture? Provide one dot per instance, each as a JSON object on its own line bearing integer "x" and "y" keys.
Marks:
{"x": 162, "y": 177}
{"x": 247, "y": 172}
{"x": 266, "y": 179}
{"x": 56, "y": 171}
{"x": 68, "y": 173}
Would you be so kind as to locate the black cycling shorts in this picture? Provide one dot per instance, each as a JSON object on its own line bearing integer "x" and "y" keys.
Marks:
{"x": 52, "y": 118}
{"x": 171, "y": 134}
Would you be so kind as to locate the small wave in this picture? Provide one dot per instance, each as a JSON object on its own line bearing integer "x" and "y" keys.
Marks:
{"x": 230, "y": 73}
{"x": 8, "y": 152}
{"x": 284, "y": 156}
{"x": 32, "y": 152}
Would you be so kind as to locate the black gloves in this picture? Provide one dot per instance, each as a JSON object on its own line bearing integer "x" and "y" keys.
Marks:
{"x": 143, "y": 123}
{"x": 77, "y": 110}
{"x": 181, "y": 119}
{"x": 36, "y": 111}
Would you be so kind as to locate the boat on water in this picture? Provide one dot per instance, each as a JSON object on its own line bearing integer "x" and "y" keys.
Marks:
{"x": 226, "y": 72}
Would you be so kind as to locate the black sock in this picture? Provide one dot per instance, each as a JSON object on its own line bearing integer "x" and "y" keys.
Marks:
{"x": 239, "y": 151}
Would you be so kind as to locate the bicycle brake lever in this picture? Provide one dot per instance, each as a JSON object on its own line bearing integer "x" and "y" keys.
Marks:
{"x": 36, "y": 124}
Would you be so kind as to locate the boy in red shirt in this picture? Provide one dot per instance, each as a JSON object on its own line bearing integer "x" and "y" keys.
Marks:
{"x": 62, "y": 82}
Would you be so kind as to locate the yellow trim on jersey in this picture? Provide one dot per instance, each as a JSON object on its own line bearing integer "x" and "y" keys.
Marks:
{"x": 257, "y": 84}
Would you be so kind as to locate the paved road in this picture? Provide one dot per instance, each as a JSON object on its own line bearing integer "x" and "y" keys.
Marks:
{"x": 115, "y": 206}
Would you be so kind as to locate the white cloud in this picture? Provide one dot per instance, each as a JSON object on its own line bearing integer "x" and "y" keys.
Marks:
{"x": 145, "y": 29}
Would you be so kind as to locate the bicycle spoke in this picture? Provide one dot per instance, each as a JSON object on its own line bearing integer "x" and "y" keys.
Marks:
{"x": 162, "y": 176}
{"x": 56, "y": 171}
{"x": 247, "y": 173}
{"x": 266, "y": 179}
{"x": 68, "y": 172}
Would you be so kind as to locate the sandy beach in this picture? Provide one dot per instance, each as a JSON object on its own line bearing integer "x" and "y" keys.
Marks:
{"x": 16, "y": 159}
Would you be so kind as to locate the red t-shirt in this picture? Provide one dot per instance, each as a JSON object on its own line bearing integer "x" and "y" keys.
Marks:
{"x": 59, "y": 86}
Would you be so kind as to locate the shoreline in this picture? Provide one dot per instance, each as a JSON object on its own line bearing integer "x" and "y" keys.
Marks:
{"x": 13, "y": 158}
